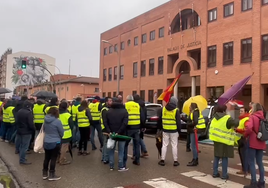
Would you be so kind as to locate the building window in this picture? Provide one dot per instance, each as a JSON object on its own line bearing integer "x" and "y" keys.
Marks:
{"x": 228, "y": 9}
{"x": 110, "y": 49}
{"x": 143, "y": 68}
{"x": 103, "y": 94}
{"x": 151, "y": 67}
{"x": 114, "y": 94}
{"x": 115, "y": 47}
{"x": 134, "y": 93}
{"x": 246, "y": 5}
{"x": 159, "y": 92}
{"x": 122, "y": 45}
{"x": 212, "y": 56}
{"x": 109, "y": 94}
{"x": 105, "y": 51}
{"x": 128, "y": 42}
{"x": 135, "y": 70}
{"x": 212, "y": 15}
{"x": 228, "y": 54}
{"x": 265, "y": 47}
{"x": 136, "y": 41}
{"x": 160, "y": 65}
{"x": 151, "y": 96}
{"x": 115, "y": 73}
{"x": 121, "y": 72}
{"x": 161, "y": 32}
{"x": 110, "y": 74}
{"x": 142, "y": 94}
{"x": 143, "y": 38}
{"x": 152, "y": 35}
{"x": 96, "y": 90}
{"x": 246, "y": 50}
{"x": 104, "y": 74}
{"x": 264, "y": 2}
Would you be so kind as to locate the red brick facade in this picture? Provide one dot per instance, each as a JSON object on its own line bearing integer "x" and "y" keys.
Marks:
{"x": 178, "y": 48}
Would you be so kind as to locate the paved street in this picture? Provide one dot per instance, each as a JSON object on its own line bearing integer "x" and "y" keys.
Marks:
{"x": 6, "y": 178}
{"x": 89, "y": 172}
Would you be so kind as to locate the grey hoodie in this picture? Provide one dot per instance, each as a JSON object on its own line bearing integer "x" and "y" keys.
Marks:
{"x": 53, "y": 129}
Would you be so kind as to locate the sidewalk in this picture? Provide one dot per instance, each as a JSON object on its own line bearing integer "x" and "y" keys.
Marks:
{"x": 6, "y": 178}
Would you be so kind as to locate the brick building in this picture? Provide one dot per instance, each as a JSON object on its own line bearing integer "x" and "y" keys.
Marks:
{"x": 66, "y": 86}
{"x": 216, "y": 43}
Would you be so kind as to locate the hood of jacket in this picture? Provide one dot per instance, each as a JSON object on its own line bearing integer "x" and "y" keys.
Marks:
{"x": 76, "y": 103}
{"x": 243, "y": 116}
{"x": 27, "y": 104}
{"x": 49, "y": 118}
{"x": 40, "y": 101}
{"x": 117, "y": 105}
{"x": 258, "y": 114}
{"x": 219, "y": 115}
{"x": 61, "y": 111}
{"x": 8, "y": 104}
{"x": 171, "y": 106}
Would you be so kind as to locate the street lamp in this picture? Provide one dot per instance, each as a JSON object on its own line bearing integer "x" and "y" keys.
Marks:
{"x": 60, "y": 77}
{"x": 118, "y": 66}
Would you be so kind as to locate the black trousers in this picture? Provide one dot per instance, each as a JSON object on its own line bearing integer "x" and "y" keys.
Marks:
{"x": 51, "y": 157}
{"x": 84, "y": 136}
{"x": 188, "y": 143}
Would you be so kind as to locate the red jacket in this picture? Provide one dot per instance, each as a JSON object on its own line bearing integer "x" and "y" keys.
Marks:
{"x": 251, "y": 130}
{"x": 242, "y": 131}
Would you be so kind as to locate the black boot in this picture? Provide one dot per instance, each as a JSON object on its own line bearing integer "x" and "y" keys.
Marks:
{"x": 161, "y": 163}
{"x": 188, "y": 150}
{"x": 193, "y": 163}
{"x": 252, "y": 185}
{"x": 261, "y": 184}
{"x": 53, "y": 177}
{"x": 45, "y": 174}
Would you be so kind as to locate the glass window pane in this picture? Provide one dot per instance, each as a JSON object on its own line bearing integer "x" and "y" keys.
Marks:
{"x": 231, "y": 9}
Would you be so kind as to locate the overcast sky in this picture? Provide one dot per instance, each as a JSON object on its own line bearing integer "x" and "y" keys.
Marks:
{"x": 65, "y": 29}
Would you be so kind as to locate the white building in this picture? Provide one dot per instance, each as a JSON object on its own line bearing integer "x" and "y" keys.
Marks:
{"x": 12, "y": 75}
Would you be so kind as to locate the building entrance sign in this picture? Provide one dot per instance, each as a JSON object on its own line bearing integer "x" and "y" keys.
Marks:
{"x": 189, "y": 45}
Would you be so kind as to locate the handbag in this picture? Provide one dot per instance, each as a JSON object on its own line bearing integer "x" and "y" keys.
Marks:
{"x": 110, "y": 143}
{"x": 39, "y": 141}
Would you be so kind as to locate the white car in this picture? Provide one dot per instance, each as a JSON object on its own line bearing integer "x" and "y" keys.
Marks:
{"x": 153, "y": 105}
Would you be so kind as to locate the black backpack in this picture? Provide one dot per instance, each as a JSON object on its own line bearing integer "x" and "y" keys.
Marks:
{"x": 262, "y": 133}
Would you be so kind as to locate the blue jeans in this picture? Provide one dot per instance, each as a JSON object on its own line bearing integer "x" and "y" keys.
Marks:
{"x": 143, "y": 147}
{"x": 135, "y": 134}
{"x": 1, "y": 129}
{"x": 23, "y": 141}
{"x": 224, "y": 166}
{"x": 7, "y": 131}
{"x": 193, "y": 145}
{"x": 121, "y": 147}
{"x": 76, "y": 135}
{"x": 93, "y": 127}
{"x": 258, "y": 155}
{"x": 105, "y": 154}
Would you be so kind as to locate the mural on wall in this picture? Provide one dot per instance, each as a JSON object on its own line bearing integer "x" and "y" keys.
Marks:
{"x": 32, "y": 75}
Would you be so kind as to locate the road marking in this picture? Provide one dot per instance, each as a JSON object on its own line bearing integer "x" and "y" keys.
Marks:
{"x": 233, "y": 171}
{"x": 217, "y": 182}
{"x": 163, "y": 183}
{"x": 256, "y": 166}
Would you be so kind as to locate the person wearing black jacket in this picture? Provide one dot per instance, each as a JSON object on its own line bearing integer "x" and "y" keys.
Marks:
{"x": 25, "y": 129}
{"x": 169, "y": 121}
{"x": 116, "y": 122}
{"x": 106, "y": 107}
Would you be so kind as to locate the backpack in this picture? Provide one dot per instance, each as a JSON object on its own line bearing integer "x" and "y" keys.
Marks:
{"x": 262, "y": 133}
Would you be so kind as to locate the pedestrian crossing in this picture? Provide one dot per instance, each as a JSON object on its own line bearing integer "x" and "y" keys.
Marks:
{"x": 196, "y": 177}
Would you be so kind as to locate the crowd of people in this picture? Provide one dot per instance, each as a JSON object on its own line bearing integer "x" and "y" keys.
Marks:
{"x": 72, "y": 125}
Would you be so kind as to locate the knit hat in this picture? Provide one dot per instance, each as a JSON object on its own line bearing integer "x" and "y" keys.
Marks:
{"x": 173, "y": 100}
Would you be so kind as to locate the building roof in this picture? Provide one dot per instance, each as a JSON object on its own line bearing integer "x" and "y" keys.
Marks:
{"x": 32, "y": 53}
{"x": 82, "y": 79}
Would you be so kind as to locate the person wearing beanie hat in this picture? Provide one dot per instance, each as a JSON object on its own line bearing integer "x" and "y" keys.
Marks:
{"x": 170, "y": 123}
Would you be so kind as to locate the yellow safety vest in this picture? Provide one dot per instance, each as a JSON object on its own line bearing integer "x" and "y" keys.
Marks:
{"x": 11, "y": 115}
{"x": 241, "y": 126}
{"x": 6, "y": 113}
{"x": 64, "y": 118}
{"x": 219, "y": 133}
{"x": 69, "y": 109}
{"x": 102, "y": 125}
{"x": 250, "y": 111}
{"x": 47, "y": 108}
{"x": 82, "y": 119}
{"x": 169, "y": 119}
{"x": 1, "y": 103}
{"x": 38, "y": 112}
{"x": 134, "y": 115}
{"x": 201, "y": 121}
{"x": 74, "y": 111}
{"x": 94, "y": 109}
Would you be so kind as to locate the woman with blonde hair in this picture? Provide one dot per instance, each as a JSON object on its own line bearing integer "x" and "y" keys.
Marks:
{"x": 256, "y": 146}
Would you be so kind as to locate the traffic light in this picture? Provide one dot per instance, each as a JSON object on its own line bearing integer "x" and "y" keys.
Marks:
{"x": 23, "y": 64}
